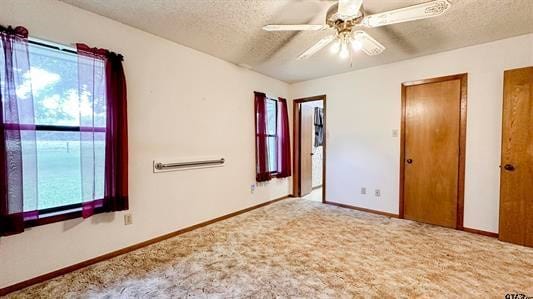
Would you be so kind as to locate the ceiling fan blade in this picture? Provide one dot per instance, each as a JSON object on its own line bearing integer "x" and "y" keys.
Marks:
{"x": 316, "y": 47}
{"x": 304, "y": 27}
{"x": 368, "y": 44}
{"x": 349, "y": 9}
{"x": 406, "y": 14}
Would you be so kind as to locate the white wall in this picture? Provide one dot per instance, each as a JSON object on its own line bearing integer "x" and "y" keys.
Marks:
{"x": 363, "y": 107}
{"x": 180, "y": 103}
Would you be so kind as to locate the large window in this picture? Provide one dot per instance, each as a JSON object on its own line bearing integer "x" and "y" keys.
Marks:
{"x": 272, "y": 134}
{"x": 63, "y": 131}
{"x": 61, "y": 110}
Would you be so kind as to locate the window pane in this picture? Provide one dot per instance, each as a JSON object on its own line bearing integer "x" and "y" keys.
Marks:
{"x": 53, "y": 82}
{"x": 59, "y": 175}
{"x": 271, "y": 117}
{"x": 272, "y": 156}
{"x": 93, "y": 157}
{"x": 59, "y": 169}
{"x": 29, "y": 170}
{"x": 100, "y": 164}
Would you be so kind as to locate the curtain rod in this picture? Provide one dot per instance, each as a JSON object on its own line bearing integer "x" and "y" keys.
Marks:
{"x": 52, "y": 45}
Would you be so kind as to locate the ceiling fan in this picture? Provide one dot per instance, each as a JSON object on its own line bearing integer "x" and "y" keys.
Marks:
{"x": 347, "y": 16}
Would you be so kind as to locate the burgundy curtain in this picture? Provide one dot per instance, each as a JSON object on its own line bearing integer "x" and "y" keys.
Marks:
{"x": 116, "y": 152}
{"x": 284, "y": 141}
{"x": 261, "y": 144}
{"x": 18, "y": 178}
{"x": 101, "y": 68}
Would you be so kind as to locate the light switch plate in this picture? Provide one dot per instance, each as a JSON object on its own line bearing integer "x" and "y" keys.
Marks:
{"x": 377, "y": 193}
{"x": 395, "y": 133}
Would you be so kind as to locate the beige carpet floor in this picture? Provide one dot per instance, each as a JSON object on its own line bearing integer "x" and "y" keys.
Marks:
{"x": 299, "y": 248}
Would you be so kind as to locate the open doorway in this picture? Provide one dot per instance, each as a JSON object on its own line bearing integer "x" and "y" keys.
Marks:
{"x": 310, "y": 148}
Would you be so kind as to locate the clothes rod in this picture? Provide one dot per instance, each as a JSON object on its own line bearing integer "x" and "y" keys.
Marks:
{"x": 163, "y": 166}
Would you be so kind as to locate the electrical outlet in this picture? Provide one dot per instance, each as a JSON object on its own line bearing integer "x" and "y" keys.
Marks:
{"x": 252, "y": 188}
{"x": 377, "y": 193}
{"x": 363, "y": 190}
{"x": 128, "y": 219}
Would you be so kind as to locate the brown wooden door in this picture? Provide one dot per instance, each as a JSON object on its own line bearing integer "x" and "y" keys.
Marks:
{"x": 432, "y": 131}
{"x": 516, "y": 186}
{"x": 306, "y": 148}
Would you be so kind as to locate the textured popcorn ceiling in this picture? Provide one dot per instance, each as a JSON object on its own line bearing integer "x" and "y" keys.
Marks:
{"x": 231, "y": 30}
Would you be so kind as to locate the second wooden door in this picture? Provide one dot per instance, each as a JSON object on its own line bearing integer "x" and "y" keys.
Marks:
{"x": 432, "y": 151}
{"x": 516, "y": 196}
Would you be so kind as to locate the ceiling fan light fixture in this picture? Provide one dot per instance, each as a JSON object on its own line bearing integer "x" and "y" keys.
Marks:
{"x": 356, "y": 45}
{"x": 335, "y": 47}
{"x": 344, "y": 52}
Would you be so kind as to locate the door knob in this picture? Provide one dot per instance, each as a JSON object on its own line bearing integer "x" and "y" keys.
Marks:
{"x": 508, "y": 167}
{"x": 409, "y": 161}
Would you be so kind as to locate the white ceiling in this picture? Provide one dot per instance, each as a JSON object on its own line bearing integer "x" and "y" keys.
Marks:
{"x": 231, "y": 30}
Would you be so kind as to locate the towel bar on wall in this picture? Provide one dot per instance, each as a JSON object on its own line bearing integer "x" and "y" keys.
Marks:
{"x": 159, "y": 166}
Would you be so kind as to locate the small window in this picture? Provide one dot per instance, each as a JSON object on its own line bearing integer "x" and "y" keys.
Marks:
{"x": 272, "y": 134}
{"x": 61, "y": 109}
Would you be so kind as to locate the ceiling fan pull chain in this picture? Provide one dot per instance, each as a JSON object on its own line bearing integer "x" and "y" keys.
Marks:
{"x": 351, "y": 59}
